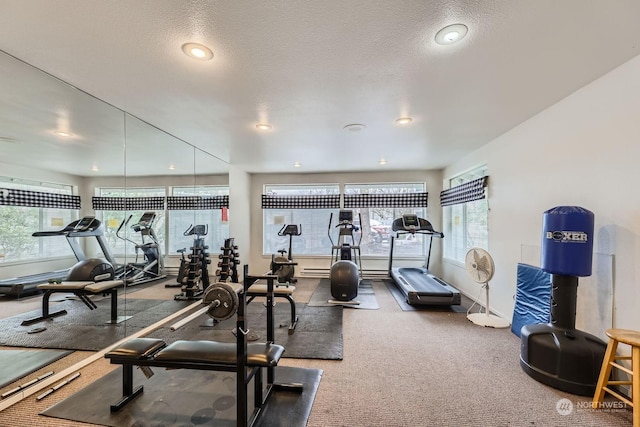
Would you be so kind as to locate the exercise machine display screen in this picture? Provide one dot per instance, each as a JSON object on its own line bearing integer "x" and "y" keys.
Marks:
{"x": 345, "y": 216}
{"x": 84, "y": 223}
{"x": 410, "y": 222}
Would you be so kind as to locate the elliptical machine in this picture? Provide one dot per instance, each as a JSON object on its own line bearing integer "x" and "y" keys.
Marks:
{"x": 194, "y": 272}
{"x": 345, "y": 272}
{"x": 281, "y": 265}
{"x": 152, "y": 265}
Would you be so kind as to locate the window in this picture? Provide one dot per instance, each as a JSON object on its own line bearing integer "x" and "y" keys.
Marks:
{"x": 18, "y": 222}
{"x": 466, "y": 224}
{"x": 314, "y": 222}
{"x": 284, "y": 207}
{"x": 114, "y": 219}
{"x": 215, "y": 219}
{"x": 377, "y": 220}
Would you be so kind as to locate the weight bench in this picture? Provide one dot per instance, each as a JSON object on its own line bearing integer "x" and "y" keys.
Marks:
{"x": 257, "y": 290}
{"x": 246, "y": 359}
{"x": 83, "y": 290}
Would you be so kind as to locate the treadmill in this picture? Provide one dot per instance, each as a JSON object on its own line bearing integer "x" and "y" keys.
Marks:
{"x": 418, "y": 285}
{"x": 88, "y": 226}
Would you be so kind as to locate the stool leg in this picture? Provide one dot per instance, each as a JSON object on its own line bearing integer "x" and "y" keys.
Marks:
{"x": 635, "y": 390}
{"x": 605, "y": 373}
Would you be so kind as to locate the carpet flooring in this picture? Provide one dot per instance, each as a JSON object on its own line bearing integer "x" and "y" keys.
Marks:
{"x": 184, "y": 398}
{"x": 84, "y": 329}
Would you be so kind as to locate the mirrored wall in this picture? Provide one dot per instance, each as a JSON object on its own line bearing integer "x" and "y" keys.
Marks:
{"x": 53, "y": 135}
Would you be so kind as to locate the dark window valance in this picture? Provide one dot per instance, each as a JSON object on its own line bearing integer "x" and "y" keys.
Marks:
{"x": 404, "y": 200}
{"x": 464, "y": 193}
{"x": 128, "y": 203}
{"x": 331, "y": 201}
{"x": 197, "y": 202}
{"x": 38, "y": 199}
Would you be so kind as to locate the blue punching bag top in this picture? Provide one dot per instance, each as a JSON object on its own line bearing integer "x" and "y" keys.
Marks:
{"x": 567, "y": 241}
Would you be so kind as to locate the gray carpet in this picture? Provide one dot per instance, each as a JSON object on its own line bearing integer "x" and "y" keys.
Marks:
{"x": 366, "y": 296}
{"x": 318, "y": 334}
{"x": 193, "y": 398}
{"x": 402, "y": 302}
{"x": 16, "y": 364}
{"x": 84, "y": 329}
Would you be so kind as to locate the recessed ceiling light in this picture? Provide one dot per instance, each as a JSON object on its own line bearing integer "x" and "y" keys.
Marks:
{"x": 451, "y": 34}
{"x": 95, "y": 168}
{"x": 172, "y": 167}
{"x": 296, "y": 164}
{"x": 404, "y": 121}
{"x": 354, "y": 127}
{"x": 62, "y": 133}
{"x": 197, "y": 51}
{"x": 263, "y": 126}
{"x": 382, "y": 161}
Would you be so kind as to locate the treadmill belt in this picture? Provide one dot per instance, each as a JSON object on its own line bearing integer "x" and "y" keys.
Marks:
{"x": 423, "y": 282}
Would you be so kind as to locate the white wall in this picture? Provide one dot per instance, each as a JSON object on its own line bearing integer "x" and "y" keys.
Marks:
{"x": 240, "y": 224}
{"x": 260, "y": 262}
{"x": 582, "y": 151}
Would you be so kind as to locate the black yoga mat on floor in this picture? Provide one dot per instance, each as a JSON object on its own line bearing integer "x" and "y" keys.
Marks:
{"x": 84, "y": 329}
{"x": 185, "y": 397}
{"x": 366, "y": 296}
{"x": 16, "y": 364}
{"x": 318, "y": 334}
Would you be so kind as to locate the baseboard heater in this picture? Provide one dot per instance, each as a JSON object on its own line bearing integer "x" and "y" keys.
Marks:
{"x": 324, "y": 272}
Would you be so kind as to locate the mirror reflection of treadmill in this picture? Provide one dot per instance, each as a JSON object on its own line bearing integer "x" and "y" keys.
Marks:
{"x": 88, "y": 226}
{"x": 419, "y": 286}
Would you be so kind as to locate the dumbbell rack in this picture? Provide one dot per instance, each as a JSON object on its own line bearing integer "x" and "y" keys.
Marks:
{"x": 198, "y": 272}
{"x": 229, "y": 261}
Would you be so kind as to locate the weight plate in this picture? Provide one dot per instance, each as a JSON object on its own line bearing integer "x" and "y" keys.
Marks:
{"x": 223, "y": 403}
{"x": 222, "y": 300}
{"x": 203, "y": 416}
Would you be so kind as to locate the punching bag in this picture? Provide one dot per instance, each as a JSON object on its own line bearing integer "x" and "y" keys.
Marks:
{"x": 556, "y": 353}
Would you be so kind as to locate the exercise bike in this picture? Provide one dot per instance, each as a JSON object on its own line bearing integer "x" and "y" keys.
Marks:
{"x": 345, "y": 272}
{"x": 281, "y": 265}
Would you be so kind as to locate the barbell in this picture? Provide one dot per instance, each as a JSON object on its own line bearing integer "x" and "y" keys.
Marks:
{"x": 221, "y": 300}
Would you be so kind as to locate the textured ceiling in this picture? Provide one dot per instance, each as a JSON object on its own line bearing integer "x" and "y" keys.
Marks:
{"x": 310, "y": 68}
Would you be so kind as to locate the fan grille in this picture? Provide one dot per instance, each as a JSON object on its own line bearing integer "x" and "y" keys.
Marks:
{"x": 479, "y": 265}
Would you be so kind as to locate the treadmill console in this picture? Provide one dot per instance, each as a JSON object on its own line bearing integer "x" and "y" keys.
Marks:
{"x": 84, "y": 224}
{"x": 411, "y": 222}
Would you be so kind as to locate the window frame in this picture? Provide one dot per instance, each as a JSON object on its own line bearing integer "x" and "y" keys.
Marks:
{"x": 452, "y": 250}
{"x": 43, "y": 248}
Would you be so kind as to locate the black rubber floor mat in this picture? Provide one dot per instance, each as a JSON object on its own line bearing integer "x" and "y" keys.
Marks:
{"x": 186, "y": 397}
{"x": 84, "y": 329}
{"x": 16, "y": 364}
{"x": 318, "y": 334}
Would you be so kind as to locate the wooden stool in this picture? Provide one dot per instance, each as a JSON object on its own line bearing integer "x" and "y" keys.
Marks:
{"x": 631, "y": 338}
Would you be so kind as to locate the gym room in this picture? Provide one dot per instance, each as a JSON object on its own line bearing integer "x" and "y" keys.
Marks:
{"x": 336, "y": 213}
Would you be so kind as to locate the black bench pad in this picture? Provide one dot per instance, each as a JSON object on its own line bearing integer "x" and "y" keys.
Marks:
{"x": 213, "y": 352}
